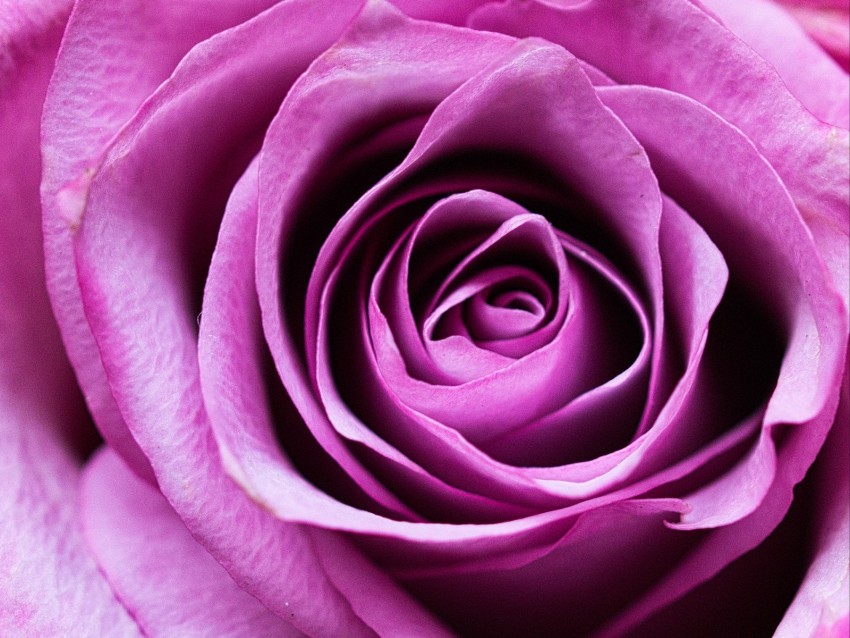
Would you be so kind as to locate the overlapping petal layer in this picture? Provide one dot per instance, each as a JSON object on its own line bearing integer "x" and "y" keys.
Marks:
{"x": 471, "y": 311}
{"x": 49, "y": 581}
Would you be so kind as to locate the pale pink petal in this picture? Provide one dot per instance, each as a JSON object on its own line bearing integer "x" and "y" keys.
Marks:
{"x": 828, "y": 22}
{"x": 49, "y": 582}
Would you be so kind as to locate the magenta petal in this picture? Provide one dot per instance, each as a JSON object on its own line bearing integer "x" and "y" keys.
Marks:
{"x": 229, "y": 359}
{"x": 49, "y": 582}
{"x": 810, "y": 74}
{"x": 713, "y": 553}
{"x": 695, "y": 278}
{"x": 827, "y": 21}
{"x": 570, "y": 585}
{"x": 373, "y": 594}
{"x": 31, "y": 351}
{"x": 403, "y": 84}
{"x": 449, "y": 11}
{"x": 113, "y": 56}
{"x": 805, "y": 303}
{"x": 516, "y": 391}
{"x": 156, "y": 382}
{"x": 459, "y": 123}
{"x": 234, "y": 390}
{"x": 393, "y": 290}
{"x": 754, "y": 502}
{"x": 167, "y": 581}
{"x": 462, "y": 120}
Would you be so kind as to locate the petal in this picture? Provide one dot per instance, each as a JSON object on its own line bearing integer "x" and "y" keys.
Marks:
{"x": 809, "y": 308}
{"x": 635, "y": 195}
{"x": 169, "y": 583}
{"x": 562, "y": 588}
{"x": 231, "y": 368}
{"x": 811, "y": 75}
{"x": 30, "y": 347}
{"x": 827, "y": 21}
{"x": 285, "y": 173}
{"x": 767, "y": 555}
{"x": 745, "y": 517}
{"x": 146, "y": 192}
{"x": 450, "y": 11}
{"x": 112, "y": 57}
{"x": 49, "y": 582}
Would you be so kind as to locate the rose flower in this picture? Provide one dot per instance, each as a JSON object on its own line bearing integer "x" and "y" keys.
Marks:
{"x": 513, "y": 318}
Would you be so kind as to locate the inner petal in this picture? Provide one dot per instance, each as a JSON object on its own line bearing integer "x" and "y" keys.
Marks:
{"x": 524, "y": 298}
{"x": 509, "y": 313}
{"x": 454, "y": 290}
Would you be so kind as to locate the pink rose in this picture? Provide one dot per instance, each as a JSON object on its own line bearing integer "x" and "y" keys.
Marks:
{"x": 393, "y": 327}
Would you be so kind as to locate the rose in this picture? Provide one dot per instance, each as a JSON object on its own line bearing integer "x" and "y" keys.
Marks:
{"x": 326, "y": 562}
{"x": 126, "y": 284}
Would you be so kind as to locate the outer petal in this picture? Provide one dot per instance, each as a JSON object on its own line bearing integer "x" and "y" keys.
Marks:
{"x": 450, "y": 11}
{"x": 806, "y": 306}
{"x": 114, "y": 54}
{"x": 49, "y": 583}
{"x": 171, "y": 585}
{"x": 811, "y": 75}
{"x": 31, "y": 353}
{"x": 146, "y": 193}
{"x": 230, "y": 357}
{"x": 745, "y": 490}
{"x": 828, "y": 22}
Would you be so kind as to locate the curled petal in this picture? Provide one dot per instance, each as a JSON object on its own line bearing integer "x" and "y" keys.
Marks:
{"x": 158, "y": 388}
{"x": 112, "y": 58}
{"x": 821, "y": 606}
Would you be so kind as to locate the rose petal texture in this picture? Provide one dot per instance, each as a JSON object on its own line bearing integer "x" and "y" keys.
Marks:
{"x": 815, "y": 79}
{"x": 49, "y": 581}
{"x": 827, "y": 21}
{"x": 404, "y": 320}
{"x": 112, "y": 58}
{"x": 314, "y": 603}
{"x": 169, "y": 583}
